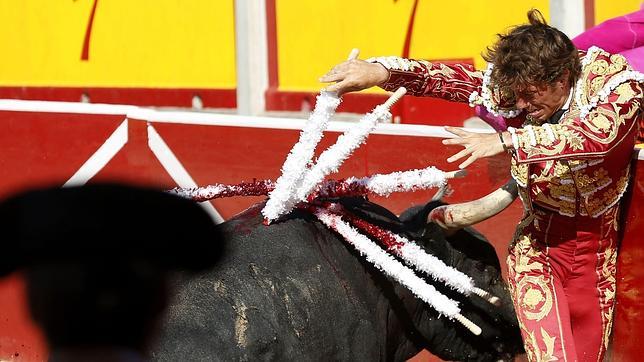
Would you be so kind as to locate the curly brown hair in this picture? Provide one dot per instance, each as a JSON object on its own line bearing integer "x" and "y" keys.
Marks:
{"x": 532, "y": 54}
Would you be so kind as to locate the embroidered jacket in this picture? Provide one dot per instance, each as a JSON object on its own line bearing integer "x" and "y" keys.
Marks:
{"x": 579, "y": 166}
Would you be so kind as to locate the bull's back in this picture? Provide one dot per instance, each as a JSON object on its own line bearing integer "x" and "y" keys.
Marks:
{"x": 291, "y": 290}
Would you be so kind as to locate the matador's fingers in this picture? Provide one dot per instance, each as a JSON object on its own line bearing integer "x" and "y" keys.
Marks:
{"x": 469, "y": 161}
{"x": 462, "y": 153}
{"x": 455, "y": 141}
{"x": 457, "y": 131}
{"x": 338, "y": 72}
{"x": 340, "y": 86}
{"x": 332, "y": 77}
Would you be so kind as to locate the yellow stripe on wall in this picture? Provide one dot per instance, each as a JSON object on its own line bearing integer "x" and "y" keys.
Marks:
{"x": 312, "y": 36}
{"x": 459, "y": 29}
{"x": 141, "y": 43}
{"x": 190, "y": 44}
{"x": 606, "y": 9}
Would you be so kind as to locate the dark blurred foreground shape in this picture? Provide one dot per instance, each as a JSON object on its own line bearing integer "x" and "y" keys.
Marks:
{"x": 97, "y": 261}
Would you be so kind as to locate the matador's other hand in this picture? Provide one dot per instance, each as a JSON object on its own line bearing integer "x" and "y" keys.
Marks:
{"x": 355, "y": 75}
{"x": 477, "y": 145}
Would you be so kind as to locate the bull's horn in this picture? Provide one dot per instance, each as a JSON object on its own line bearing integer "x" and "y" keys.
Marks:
{"x": 457, "y": 216}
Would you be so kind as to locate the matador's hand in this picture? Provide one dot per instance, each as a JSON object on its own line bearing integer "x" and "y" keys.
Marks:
{"x": 477, "y": 145}
{"x": 355, "y": 75}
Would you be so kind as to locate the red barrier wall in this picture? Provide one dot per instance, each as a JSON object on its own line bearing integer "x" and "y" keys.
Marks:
{"x": 49, "y": 148}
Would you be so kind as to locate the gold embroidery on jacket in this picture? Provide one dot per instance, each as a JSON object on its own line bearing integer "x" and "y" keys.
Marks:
{"x": 565, "y": 192}
{"x": 443, "y": 70}
{"x": 519, "y": 172}
{"x": 546, "y": 174}
{"x": 625, "y": 93}
{"x": 595, "y": 74}
{"x": 617, "y": 64}
{"x": 567, "y": 135}
{"x": 589, "y": 184}
{"x": 612, "y": 218}
{"x": 602, "y": 201}
{"x": 598, "y": 82}
{"x": 618, "y": 60}
{"x": 599, "y": 123}
{"x": 599, "y": 67}
{"x": 562, "y": 171}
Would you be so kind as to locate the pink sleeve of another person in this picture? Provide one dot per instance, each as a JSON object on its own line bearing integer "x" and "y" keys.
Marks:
{"x": 623, "y": 35}
{"x": 497, "y": 122}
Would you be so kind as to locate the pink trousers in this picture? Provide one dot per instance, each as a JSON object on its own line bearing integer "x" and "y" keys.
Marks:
{"x": 562, "y": 281}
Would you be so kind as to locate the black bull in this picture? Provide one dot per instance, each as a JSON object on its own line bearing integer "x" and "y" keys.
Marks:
{"x": 298, "y": 291}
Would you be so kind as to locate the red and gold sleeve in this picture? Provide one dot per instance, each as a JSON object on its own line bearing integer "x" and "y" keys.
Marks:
{"x": 590, "y": 135}
{"x": 453, "y": 82}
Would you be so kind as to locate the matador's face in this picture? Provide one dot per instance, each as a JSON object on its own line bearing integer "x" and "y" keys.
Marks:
{"x": 541, "y": 101}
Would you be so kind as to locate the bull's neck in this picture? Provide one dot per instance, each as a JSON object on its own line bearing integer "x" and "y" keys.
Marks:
{"x": 405, "y": 337}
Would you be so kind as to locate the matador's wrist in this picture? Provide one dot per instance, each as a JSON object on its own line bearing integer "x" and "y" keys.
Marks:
{"x": 381, "y": 74}
{"x": 506, "y": 141}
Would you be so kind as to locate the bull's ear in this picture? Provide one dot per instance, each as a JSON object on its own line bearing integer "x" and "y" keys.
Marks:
{"x": 415, "y": 218}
